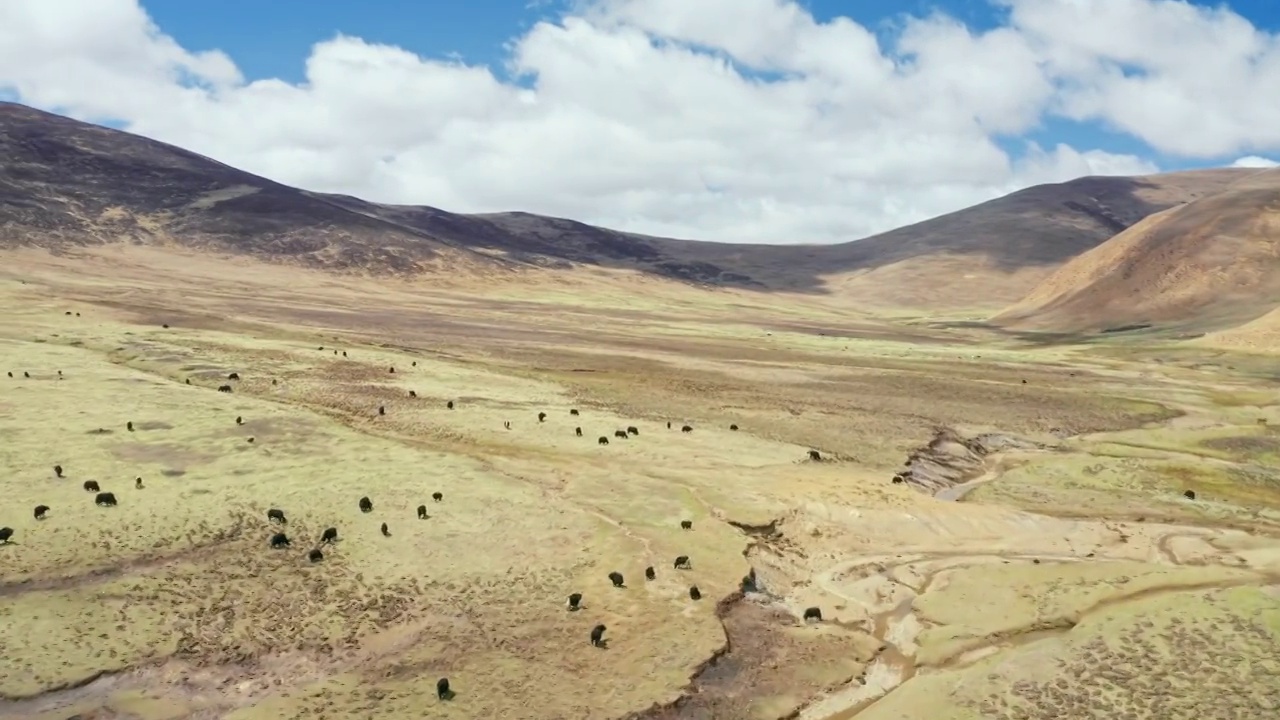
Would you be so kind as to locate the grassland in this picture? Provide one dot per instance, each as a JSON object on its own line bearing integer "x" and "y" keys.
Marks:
{"x": 172, "y": 604}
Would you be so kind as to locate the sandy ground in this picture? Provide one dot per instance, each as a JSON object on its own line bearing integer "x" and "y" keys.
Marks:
{"x": 979, "y": 604}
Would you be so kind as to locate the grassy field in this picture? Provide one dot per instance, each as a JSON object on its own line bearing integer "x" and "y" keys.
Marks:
{"x": 1203, "y": 654}
{"x": 172, "y": 603}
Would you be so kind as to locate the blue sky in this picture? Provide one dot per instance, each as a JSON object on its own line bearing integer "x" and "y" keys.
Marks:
{"x": 273, "y": 38}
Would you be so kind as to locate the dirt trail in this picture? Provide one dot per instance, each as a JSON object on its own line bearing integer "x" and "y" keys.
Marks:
{"x": 956, "y": 493}
{"x": 898, "y": 626}
{"x": 143, "y": 564}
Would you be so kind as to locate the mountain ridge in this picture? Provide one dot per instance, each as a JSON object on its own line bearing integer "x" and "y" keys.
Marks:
{"x": 1205, "y": 266}
{"x": 68, "y": 183}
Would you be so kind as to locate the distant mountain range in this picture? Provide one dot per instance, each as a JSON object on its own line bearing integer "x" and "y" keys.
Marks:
{"x": 1086, "y": 254}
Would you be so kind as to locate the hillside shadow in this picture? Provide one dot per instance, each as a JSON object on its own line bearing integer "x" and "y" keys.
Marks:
{"x": 66, "y": 183}
{"x": 1042, "y": 226}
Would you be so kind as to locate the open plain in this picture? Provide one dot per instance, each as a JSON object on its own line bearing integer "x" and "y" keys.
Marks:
{"x": 1037, "y": 559}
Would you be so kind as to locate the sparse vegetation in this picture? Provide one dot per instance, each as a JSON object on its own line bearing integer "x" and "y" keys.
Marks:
{"x": 229, "y": 566}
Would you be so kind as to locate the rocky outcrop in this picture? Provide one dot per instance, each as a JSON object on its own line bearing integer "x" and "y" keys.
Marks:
{"x": 950, "y": 458}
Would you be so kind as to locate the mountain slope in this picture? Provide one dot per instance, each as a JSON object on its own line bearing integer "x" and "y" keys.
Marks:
{"x": 69, "y": 183}
{"x": 66, "y": 183}
{"x": 989, "y": 255}
{"x": 1210, "y": 264}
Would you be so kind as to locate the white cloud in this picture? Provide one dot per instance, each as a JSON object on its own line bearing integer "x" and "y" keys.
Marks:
{"x": 638, "y": 118}
{"x": 1189, "y": 80}
{"x": 1254, "y": 161}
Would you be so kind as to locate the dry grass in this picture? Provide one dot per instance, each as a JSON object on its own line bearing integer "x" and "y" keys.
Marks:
{"x": 176, "y": 596}
{"x": 977, "y": 606}
{"x": 1204, "y": 266}
{"x": 1176, "y": 656}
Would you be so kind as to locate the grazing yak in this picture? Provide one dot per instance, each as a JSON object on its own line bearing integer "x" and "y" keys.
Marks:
{"x": 574, "y": 600}
{"x": 620, "y": 434}
{"x": 815, "y": 456}
{"x": 686, "y": 524}
{"x": 57, "y": 470}
{"x": 687, "y": 428}
{"x": 137, "y": 483}
{"x": 329, "y": 535}
{"x": 733, "y": 427}
{"x": 233, "y": 376}
{"x": 366, "y": 505}
{"x": 694, "y": 593}
{"x": 442, "y": 689}
{"x": 577, "y": 431}
{"x": 437, "y": 496}
{"x": 812, "y": 613}
{"x": 649, "y": 573}
{"x": 105, "y": 499}
{"x": 276, "y": 515}
{"x": 682, "y": 563}
{"x": 382, "y": 409}
{"x": 91, "y": 486}
{"x": 239, "y": 420}
{"x": 5, "y": 534}
{"x": 280, "y": 540}
{"x": 40, "y": 511}
{"x": 129, "y": 426}
{"x": 1189, "y": 494}
{"x": 413, "y": 393}
{"x": 573, "y": 411}
{"x": 603, "y": 440}
{"x": 597, "y": 635}
{"x": 422, "y": 512}
{"x": 633, "y": 430}
{"x": 615, "y": 577}
{"x": 315, "y": 555}
{"x": 224, "y": 388}
{"x": 542, "y": 417}
{"x": 385, "y": 532}
{"x": 449, "y": 404}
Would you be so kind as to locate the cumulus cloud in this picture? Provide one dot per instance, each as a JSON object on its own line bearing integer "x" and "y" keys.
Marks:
{"x": 1254, "y": 161}
{"x": 738, "y": 120}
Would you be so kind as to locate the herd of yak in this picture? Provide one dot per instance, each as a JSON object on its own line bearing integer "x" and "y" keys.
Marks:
{"x": 281, "y": 540}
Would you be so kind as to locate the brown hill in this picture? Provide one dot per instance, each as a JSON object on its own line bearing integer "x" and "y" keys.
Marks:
{"x": 1210, "y": 264}
{"x": 67, "y": 183}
